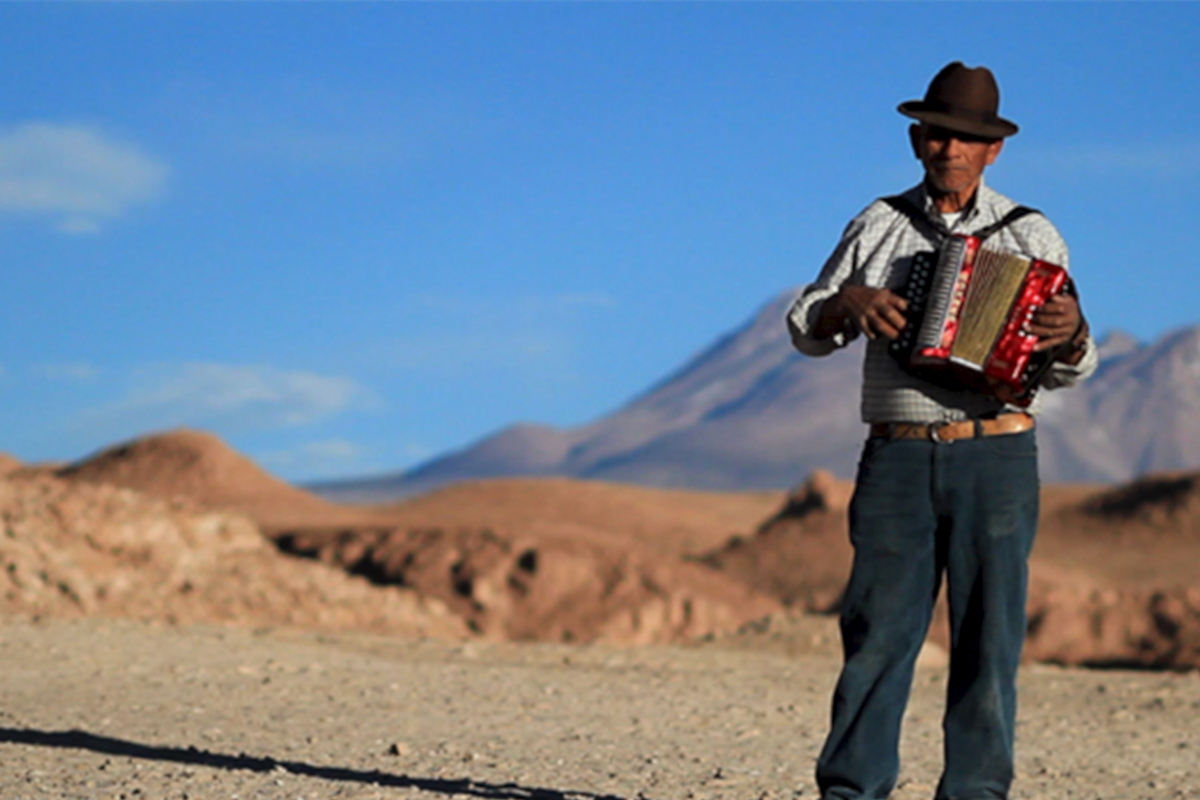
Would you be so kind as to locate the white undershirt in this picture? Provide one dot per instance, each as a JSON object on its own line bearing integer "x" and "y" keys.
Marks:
{"x": 951, "y": 218}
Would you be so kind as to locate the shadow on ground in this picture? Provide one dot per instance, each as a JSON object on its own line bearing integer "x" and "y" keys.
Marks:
{"x": 82, "y": 740}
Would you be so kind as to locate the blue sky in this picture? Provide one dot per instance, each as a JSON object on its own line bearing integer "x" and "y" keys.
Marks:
{"x": 349, "y": 237}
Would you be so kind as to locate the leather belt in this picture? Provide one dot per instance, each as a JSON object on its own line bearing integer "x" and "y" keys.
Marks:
{"x": 1001, "y": 425}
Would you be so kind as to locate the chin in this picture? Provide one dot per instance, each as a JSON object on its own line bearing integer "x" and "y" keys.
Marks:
{"x": 950, "y": 187}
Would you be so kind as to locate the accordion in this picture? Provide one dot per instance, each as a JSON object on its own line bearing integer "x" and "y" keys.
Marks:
{"x": 967, "y": 312}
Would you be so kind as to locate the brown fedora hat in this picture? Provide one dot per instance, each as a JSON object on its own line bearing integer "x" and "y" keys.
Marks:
{"x": 962, "y": 99}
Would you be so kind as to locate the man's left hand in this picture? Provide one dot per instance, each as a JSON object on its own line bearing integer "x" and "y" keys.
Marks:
{"x": 1056, "y": 322}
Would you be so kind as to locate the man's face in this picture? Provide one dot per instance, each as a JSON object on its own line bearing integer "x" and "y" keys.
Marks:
{"x": 954, "y": 162}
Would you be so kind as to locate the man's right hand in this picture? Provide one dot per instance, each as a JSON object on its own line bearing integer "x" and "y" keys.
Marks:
{"x": 875, "y": 312}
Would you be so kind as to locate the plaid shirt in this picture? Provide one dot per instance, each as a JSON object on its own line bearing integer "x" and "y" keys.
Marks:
{"x": 876, "y": 250}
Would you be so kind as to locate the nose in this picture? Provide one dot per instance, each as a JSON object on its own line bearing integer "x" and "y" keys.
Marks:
{"x": 953, "y": 146}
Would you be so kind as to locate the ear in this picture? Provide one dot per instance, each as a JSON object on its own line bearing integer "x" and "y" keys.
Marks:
{"x": 993, "y": 151}
{"x": 914, "y": 138}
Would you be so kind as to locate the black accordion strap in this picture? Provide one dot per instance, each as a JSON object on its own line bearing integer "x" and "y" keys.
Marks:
{"x": 1008, "y": 219}
{"x": 909, "y": 209}
{"x": 915, "y": 215}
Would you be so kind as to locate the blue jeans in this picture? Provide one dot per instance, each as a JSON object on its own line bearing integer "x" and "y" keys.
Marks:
{"x": 921, "y": 509}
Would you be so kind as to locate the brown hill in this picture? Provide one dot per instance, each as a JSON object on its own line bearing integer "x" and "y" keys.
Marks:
{"x": 9, "y": 464}
{"x": 676, "y": 521}
{"x": 1142, "y": 535}
{"x": 203, "y": 469}
{"x": 1158, "y": 505}
{"x": 558, "y": 559}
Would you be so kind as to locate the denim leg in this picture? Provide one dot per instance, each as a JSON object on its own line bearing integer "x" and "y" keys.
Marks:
{"x": 885, "y": 615}
{"x": 990, "y": 491}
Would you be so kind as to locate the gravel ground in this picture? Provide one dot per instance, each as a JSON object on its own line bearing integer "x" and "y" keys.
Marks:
{"x": 103, "y": 709}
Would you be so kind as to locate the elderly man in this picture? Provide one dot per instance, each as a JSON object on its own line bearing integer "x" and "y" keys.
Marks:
{"x": 947, "y": 482}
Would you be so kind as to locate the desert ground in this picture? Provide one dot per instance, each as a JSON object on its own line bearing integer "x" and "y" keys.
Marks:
{"x": 176, "y": 623}
{"x": 115, "y": 709}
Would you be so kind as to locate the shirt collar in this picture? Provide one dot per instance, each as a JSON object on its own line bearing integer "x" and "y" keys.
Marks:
{"x": 969, "y": 213}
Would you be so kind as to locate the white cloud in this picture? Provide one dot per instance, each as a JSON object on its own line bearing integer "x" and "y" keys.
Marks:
{"x": 457, "y": 334}
{"x": 416, "y": 452}
{"x": 227, "y": 397}
{"x": 73, "y": 174}
{"x": 336, "y": 150}
{"x": 508, "y": 307}
{"x": 315, "y": 457}
{"x": 310, "y": 125}
{"x": 1156, "y": 160}
{"x": 585, "y": 300}
{"x": 333, "y": 458}
{"x": 72, "y": 371}
{"x": 455, "y": 353}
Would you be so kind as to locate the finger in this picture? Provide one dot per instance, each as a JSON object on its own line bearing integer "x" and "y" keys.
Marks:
{"x": 889, "y": 331}
{"x": 1066, "y": 308}
{"x": 1064, "y": 300}
{"x": 1051, "y": 324}
{"x": 1042, "y": 331}
{"x": 1051, "y": 336}
{"x": 895, "y": 318}
{"x": 1049, "y": 344}
{"x": 1052, "y": 312}
{"x": 882, "y": 326}
{"x": 1050, "y": 331}
{"x": 864, "y": 325}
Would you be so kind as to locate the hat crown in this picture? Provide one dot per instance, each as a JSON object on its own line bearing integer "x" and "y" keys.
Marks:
{"x": 961, "y": 87}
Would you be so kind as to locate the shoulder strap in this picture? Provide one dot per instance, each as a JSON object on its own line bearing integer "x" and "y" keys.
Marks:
{"x": 909, "y": 209}
{"x": 1008, "y": 219}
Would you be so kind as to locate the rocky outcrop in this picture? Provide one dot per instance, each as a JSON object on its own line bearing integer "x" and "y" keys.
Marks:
{"x": 514, "y": 587}
{"x": 71, "y": 549}
{"x": 1112, "y": 628}
{"x": 801, "y": 555}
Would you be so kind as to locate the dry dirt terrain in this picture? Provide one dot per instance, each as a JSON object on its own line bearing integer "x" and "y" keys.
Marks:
{"x": 104, "y": 710}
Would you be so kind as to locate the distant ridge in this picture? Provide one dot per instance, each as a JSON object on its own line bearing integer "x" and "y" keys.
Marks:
{"x": 749, "y": 412}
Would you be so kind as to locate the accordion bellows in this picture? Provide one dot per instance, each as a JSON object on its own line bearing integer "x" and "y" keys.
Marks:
{"x": 968, "y": 308}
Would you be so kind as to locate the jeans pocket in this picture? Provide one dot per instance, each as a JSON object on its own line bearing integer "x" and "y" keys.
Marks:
{"x": 1016, "y": 446}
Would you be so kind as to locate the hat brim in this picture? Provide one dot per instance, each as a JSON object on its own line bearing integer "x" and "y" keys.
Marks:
{"x": 992, "y": 128}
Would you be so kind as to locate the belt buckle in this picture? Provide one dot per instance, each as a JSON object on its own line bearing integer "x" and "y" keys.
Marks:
{"x": 935, "y": 436}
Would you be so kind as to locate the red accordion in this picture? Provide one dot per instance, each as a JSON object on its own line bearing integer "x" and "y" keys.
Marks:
{"x": 967, "y": 313}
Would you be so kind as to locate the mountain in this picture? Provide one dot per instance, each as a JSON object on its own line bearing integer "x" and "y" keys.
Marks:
{"x": 749, "y": 412}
